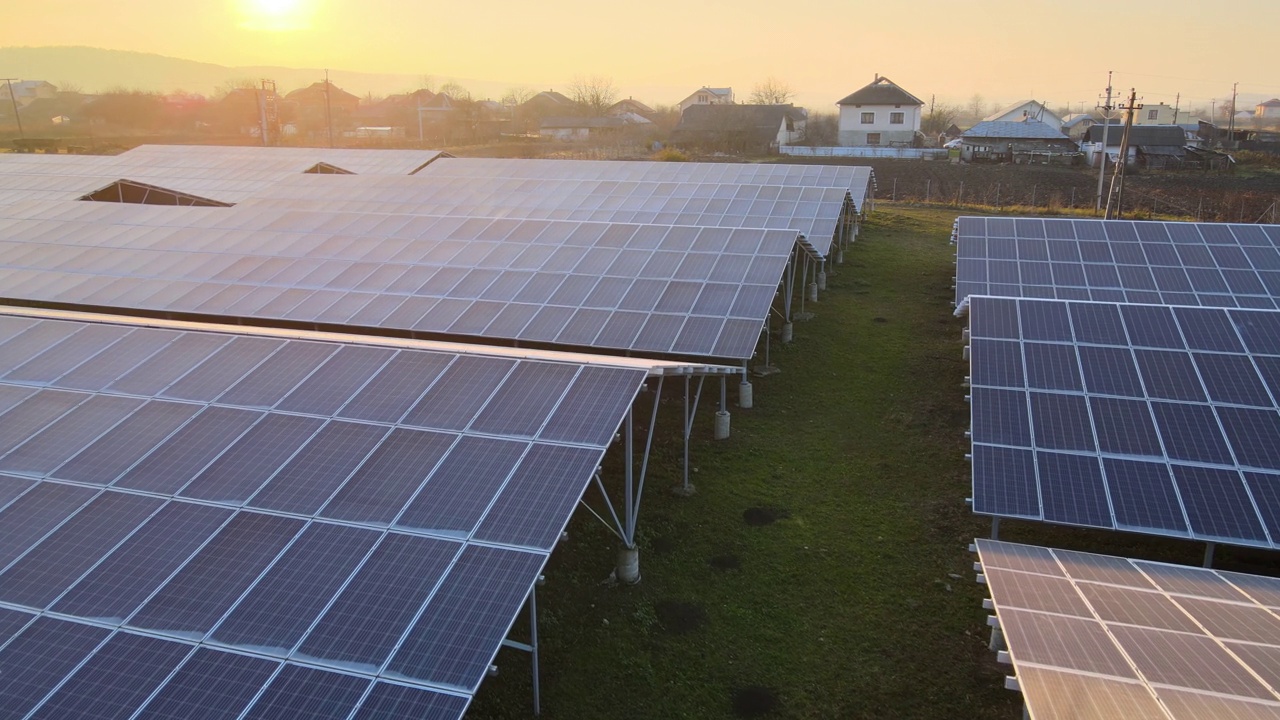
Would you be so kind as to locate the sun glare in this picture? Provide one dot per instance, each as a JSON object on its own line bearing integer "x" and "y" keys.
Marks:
{"x": 275, "y": 15}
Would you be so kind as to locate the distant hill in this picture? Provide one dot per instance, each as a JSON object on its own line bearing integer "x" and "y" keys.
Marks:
{"x": 96, "y": 70}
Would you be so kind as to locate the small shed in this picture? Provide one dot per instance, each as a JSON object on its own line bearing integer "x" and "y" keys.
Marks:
{"x": 1023, "y": 142}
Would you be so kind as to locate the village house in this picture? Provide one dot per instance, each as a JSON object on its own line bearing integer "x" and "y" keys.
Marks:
{"x": 1269, "y": 110}
{"x": 1155, "y": 114}
{"x": 1076, "y": 125}
{"x": 322, "y": 106}
{"x": 576, "y": 128}
{"x": 745, "y": 129}
{"x": 1152, "y": 147}
{"x": 631, "y": 108}
{"x": 1025, "y": 141}
{"x": 26, "y": 91}
{"x": 708, "y": 96}
{"x": 880, "y": 114}
{"x": 1027, "y": 109}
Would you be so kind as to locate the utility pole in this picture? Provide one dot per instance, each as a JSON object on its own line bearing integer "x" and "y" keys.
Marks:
{"x": 1106, "y": 127}
{"x": 328, "y": 111}
{"x": 1177, "y": 103}
{"x": 268, "y": 113}
{"x": 1231, "y": 123}
{"x": 1122, "y": 163}
{"x": 14, "y": 100}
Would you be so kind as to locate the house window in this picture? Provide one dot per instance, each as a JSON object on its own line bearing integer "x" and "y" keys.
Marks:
{"x": 873, "y": 138}
{"x": 702, "y": 98}
{"x": 1152, "y": 114}
{"x": 868, "y": 118}
{"x": 897, "y": 118}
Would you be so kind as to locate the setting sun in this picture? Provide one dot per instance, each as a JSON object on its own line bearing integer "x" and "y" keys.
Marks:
{"x": 275, "y": 15}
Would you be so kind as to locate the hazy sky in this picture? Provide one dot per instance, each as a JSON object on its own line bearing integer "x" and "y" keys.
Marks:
{"x": 660, "y": 50}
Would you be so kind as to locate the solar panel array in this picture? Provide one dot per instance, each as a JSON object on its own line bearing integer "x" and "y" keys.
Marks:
{"x": 201, "y": 523}
{"x": 1104, "y": 637}
{"x": 815, "y": 212}
{"x": 659, "y": 289}
{"x": 225, "y": 174}
{"x": 1162, "y": 263}
{"x": 1160, "y": 420}
{"x": 858, "y": 180}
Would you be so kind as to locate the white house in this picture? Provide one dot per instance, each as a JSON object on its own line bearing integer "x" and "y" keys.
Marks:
{"x": 708, "y": 96}
{"x": 1269, "y": 110}
{"x": 1028, "y": 109}
{"x": 880, "y": 114}
{"x": 28, "y": 90}
{"x": 1156, "y": 114}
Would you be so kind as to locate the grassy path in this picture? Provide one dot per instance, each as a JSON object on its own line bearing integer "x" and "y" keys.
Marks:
{"x": 859, "y": 601}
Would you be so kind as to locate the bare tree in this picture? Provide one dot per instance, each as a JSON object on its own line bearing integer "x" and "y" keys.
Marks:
{"x": 772, "y": 92}
{"x": 455, "y": 91}
{"x": 517, "y": 96}
{"x": 226, "y": 87}
{"x": 939, "y": 119}
{"x": 822, "y": 129}
{"x": 977, "y": 107}
{"x": 593, "y": 94}
{"x": 427, "y": 82}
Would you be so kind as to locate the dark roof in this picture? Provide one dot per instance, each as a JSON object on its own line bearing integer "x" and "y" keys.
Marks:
{"x": 316, "y": 92}
{"x": 1273, "y": 102}
{"x": 1010, "y": 129}
{"x": 743, "y": 125}
{"x": 631, "y": 105}
{"x": 881, "y": 92}
{"x": 1169, "y": 135}
{"x": 551, "y": 97}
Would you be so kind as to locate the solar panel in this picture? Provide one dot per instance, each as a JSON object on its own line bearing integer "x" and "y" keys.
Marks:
{"x": 1157, "y": 263}
{"x": 816, "y": 212}
{"x": 219, "y": 173}
{"x": 277, "y": 526}
{"x": 858, "y": 180}
{"x": 1106, "y": 637}
{"x": 1160, "y": 420}
{"x": 530, "y": 281}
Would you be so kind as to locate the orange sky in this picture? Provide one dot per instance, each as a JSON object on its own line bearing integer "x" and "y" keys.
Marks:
{"x": 660, "y": 50}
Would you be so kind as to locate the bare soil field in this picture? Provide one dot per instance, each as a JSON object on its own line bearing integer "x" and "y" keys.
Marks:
{"x": 1243, "y": 196}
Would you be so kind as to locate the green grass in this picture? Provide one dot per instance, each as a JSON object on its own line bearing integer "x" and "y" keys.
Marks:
{"x": 860, "y": 604}
{"x": 851, "y": 607}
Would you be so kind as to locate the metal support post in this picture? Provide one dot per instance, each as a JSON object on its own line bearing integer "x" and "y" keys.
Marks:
{"x": 686, "y": 488}
{"x": 822, "y": 274}
{"x": 995, "y": 528}
{"x": 533, "y": 649}
{"x": 1208, "y": 554}
{"x": 745, "y": 394}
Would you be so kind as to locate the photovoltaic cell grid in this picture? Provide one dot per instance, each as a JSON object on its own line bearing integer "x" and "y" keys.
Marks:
{"x": 1152, "y": 419}
{"x": 231, "y": 522}
{"x": 1159, "y": 263}
{"x": 227, "y": 174}
{"x": 858, "y": 180}
{"x": 815, "y": 212}
{"x": 678, "y": 290}
{"x": 1106, "y": 637}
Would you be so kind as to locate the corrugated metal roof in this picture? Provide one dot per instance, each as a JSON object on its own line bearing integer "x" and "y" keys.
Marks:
{"x": 1023, "y": 129}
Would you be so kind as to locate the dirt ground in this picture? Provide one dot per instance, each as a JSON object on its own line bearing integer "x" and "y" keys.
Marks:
{"x": 1244, "y": 196}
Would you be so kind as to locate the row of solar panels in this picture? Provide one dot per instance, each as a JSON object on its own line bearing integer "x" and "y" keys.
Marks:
{"x": 1095, "y": 409}
{"x": 247, "y": 523}
{"x": 1127, "y": 376}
